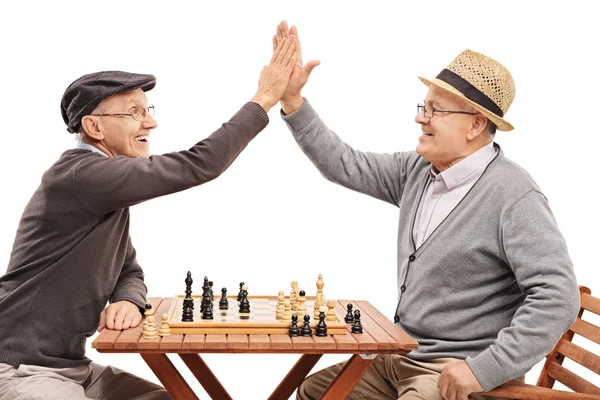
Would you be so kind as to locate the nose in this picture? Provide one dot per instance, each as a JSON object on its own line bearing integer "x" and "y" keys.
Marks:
{"x": 420, "y": 118}
{"x": 149, "y": 122}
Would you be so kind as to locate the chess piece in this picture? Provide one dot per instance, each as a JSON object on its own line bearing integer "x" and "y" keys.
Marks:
{"x": 239, "y": 298}
{"x": 205, "y": 294}
{"x": 321, "y": 329}
{"x": 331, "y": 310}
{"x": 293, "y": 295}
{"x": 287, "y": 312}
{"x": 349, "y": 316}
{"x": 301, "y": 307}
{"x": 306, "y": 331}
{"x": 356, "y": 325}
{"x": 188, "y": 301}
{"x": 148, "y": 311}
{"x": 297, "y": 298}
{"x": 294, "y": 331}
{"x": 320, "y": 298}
{"x": 223, "y": 303}
{"x": 150, "y": 332}
{"x": 207, "y": 308}
{"x": 164, "y": 330}
{"x": 280, "y": 307}
{"x": 244, "y": 303}
{"x": 210, "y": 290}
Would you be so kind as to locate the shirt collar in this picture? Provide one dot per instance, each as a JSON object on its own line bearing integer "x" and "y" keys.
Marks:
{"x": 464, "y": 168}
{"x": 83, "y": 145}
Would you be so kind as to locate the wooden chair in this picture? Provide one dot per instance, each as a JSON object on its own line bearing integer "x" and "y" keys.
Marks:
{"x": 553, "y": 369}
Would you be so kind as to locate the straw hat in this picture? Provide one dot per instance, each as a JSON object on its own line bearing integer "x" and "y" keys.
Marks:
{"x": 481, "y": 82}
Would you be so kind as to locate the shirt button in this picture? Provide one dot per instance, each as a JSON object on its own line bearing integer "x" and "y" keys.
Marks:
{"x": 435, "y": 196}
{"x": 403, "y": 288}
{"x": 396, "y": 319}
{"x": 411, "y": 258}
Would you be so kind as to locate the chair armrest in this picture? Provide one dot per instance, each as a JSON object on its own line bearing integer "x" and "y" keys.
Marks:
{"x": 523, "y": 391}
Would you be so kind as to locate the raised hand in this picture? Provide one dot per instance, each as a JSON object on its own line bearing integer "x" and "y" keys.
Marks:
{"x": 292, "y": 98}
{"x": 274, "y": 77}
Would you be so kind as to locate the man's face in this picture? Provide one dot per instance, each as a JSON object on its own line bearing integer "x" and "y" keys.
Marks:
{"x": 444, "y": 139}
{"x": 123, "y": 135}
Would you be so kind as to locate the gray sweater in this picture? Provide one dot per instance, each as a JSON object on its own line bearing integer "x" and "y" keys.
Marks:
{"x": 72, "y": 252}
{"x": 493, "y": 284}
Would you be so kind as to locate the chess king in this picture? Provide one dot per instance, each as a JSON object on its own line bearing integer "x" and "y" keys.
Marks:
{"x": 72, "y": 252}
{"x": 485, "y": 282}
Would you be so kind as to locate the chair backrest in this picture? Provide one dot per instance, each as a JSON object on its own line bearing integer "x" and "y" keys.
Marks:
{"x": 554, "y": 370}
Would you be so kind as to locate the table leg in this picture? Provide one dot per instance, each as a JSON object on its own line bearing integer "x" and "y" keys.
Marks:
{"x": 168, "y": 375}
{"x": 348, "y": 377}
{"x": 296, "y": 375}
{"x": 205, "y": 376}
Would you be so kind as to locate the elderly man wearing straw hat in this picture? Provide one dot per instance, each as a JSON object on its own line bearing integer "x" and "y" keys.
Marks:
{"x": 485, "y": 282}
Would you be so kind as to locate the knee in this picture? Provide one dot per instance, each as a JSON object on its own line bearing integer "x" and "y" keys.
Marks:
{"x": 308, "y": 390}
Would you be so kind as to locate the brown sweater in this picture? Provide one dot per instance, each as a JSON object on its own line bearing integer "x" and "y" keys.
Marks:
{"x": 72, "y": 251}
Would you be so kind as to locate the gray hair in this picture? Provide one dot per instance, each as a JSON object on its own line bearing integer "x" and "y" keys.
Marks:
{"x": 490, "y": 128}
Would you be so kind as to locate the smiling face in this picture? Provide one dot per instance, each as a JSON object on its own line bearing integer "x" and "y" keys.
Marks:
{"x": 449, "y": 137}
{"x": 120, "y": 135}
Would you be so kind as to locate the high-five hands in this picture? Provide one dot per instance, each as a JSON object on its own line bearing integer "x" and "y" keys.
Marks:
{"x": 274, "y": 77}
{"x": 292, "y": 98}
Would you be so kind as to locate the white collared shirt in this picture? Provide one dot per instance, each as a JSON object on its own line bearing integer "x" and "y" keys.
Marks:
{"x": 83, "y": 145}
{"x": 446, "y": 189}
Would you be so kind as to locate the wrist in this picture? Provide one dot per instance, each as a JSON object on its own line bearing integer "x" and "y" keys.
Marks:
{"x": 291, "y": 104}
{"x": 263, "y": 101}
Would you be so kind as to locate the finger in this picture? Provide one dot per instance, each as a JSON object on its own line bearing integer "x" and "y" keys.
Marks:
{"x": 309, "y": 68}
{"x": 279, "y": 49}
{"x": 119, "y": 318}
{"x": 291, "y": 62}
{"x": 284, "y": 29}
{"x": 127, "y": 321}
{"x": 279, "y": 33}
{"x": 298, "y": 48}
{"x": 274, "y": 43}
{"x": 110, "y": 317}
{"x": 294, "y": 30}
{"x": 102, "y": 323}
{"x": 137, "y": 318}
{"x": 282, "y": 55}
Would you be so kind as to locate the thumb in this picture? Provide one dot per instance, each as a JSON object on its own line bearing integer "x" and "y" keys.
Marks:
{"x": 309, "y": 67}
{"x": 102, "y": 323}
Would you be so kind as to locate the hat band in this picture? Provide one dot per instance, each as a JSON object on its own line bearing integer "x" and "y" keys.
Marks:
{"x": 470, "y": 91}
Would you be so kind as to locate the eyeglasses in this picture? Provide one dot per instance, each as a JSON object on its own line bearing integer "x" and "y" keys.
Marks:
{"x": 429, "y": 111}
{"x": 138, "y": 113}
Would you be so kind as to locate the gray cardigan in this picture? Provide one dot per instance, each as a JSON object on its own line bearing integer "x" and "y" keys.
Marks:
{"x": 493, "y": 284}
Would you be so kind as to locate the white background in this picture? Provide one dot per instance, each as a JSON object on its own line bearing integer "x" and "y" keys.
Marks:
{"x": 271, "y": 218}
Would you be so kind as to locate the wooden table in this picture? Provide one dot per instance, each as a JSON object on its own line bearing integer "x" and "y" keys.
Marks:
{"x": 380, "y": 336}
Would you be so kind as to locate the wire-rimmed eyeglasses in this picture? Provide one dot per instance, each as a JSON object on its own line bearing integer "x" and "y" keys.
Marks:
{"x": 138, "y": 113}
{"x": 429, "y": 111}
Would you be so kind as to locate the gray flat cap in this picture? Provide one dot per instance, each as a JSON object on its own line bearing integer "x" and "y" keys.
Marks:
{"x": 84, "y": 95}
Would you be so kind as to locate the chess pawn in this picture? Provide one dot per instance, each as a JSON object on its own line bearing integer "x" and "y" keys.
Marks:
{"x": 148, "y": 312}
{"x": 164, "y": 330}
{"x": 296, "y": 298}
{"x": 150, "y": 332}
{"x": 306, "y": 331}
{"x": 349, "y": 316}
{"x": 287, "y": 313}
{"x": 239, "y": 298}
{"x": 321, "y": 328}
{"x": 301, "y": 306}
{"x": 280, "y": 307}
{"x": 294, "y": 331}
{"x": 356, "y": 325}
{"x": 331, "y": 310}
{"x": 223, "y": 303}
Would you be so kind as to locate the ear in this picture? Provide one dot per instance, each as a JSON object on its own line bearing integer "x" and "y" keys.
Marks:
{"x": 92, "y": 127}
{"x": 477, "y": 126}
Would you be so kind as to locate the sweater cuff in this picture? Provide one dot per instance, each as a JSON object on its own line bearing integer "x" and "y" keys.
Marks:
{"x": 300, "y": 118}
{"x": 487, "y": 370}
{"x": 141, "y": 303}
{"x": 259, "y": 112}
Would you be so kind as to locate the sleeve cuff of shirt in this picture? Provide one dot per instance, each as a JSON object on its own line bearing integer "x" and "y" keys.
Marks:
{"x": 487, "y": 370}
{"x": 140, "y": 303}
{"x": 299, "y": 119}
{"x": 259, "y": 112}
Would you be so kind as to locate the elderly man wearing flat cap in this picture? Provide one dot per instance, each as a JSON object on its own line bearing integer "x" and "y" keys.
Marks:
{"x": 73, "y": 254}
{"x": 485, "y": 282}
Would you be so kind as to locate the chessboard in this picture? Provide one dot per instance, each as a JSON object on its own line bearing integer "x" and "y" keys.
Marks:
{"x": 262, "y": 318}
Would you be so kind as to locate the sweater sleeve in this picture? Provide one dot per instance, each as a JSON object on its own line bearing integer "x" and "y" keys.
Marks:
{"x": 378, "y": 175}
{"x": 107, "y": 184}
{"x": 130, "y": 284}
{"x": 537, "y": 253}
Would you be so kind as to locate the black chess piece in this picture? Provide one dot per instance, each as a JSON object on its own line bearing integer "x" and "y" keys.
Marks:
{"x": 356, "y": 325}
{"x": 321, "y": 328}
{"x": 205, "y": 294}
{"x": 147, "y": 307}
{"x": 306, "y": 331}
{"x": 210, "y": 290}
{"x": 188, "y": 313}
{"x": 188, "y": 301}
{"x": 294, "y": 331}
{"x": 207, "y": 309}
{"x": 223, "y": 303}
{"x": 244, "y": 303}
{"x": 349, "y": 317}
{"x": 239, "y": 298}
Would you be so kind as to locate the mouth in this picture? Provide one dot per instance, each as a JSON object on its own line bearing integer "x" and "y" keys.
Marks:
{"x": 426, "y": 134}
{"x": 141, "y": 139}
